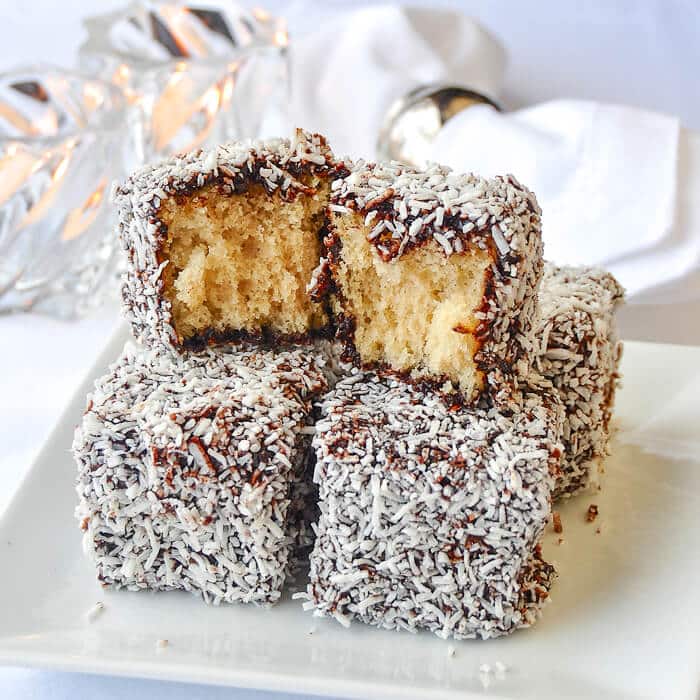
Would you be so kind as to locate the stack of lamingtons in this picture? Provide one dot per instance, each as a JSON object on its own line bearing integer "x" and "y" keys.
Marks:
{"x": 361, "y": 367}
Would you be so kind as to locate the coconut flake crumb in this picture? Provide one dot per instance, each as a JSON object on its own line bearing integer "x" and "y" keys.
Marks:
{"x": 592, "y": 513}
{"x": 95, "y": 611}
{"x": 451, "y": 651}
{"x": 485, "y": 676}
{"x": 556, "y": 522}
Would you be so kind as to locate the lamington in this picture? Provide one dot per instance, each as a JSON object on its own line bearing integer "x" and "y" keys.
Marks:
{"x": 432, "y": 513}
{"x": 433, "y": 274}
{"x": 221, "y": 244}
{"x": 580, "y": 354}
{"x": 192, "y": 470}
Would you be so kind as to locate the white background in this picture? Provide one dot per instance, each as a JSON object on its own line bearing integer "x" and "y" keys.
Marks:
{"x": 640, "y": 53}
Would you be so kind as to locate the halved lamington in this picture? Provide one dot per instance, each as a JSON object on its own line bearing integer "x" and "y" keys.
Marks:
{"x": 221, "y": 244}
{"x": 189, "y": 470}
{"x": 433, "y": 274}
{"x": 580, "y": 354}
{"x": 432, "y": 513}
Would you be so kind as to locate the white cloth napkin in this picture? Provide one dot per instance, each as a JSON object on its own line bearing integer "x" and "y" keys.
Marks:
{"x": 347, "y": 73}
{"x": 607, "y": 177}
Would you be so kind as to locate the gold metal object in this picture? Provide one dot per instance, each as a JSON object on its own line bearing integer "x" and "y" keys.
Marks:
{"x": 414, "y": 120}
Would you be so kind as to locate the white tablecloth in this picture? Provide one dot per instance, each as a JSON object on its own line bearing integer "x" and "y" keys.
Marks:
{"x": 643, "y": 53}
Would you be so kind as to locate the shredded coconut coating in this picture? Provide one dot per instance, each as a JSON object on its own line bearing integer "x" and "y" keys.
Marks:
{"x": 277, "y": 164}
{"x": 188, "y": 469}
{"x": 431, "y": 513}
{"x": 580, "y": 354}
{"x": 408, "y": 207}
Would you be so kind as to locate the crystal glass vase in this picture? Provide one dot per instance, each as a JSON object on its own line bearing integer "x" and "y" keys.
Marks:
{"x": 195, "y": 74}
{"x": 62, "y": 144}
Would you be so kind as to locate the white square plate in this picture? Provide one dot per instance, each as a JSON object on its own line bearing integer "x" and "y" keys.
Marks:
{"x": 624, "y": 621}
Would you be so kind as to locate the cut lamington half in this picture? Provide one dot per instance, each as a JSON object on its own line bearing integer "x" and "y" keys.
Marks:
{"x": 221, "y": 244}
{"x": 433, "y": 274}
{"x": 432, "y": 513}
{"x": 580, "y": 354}
{"x": 192, "y": 471}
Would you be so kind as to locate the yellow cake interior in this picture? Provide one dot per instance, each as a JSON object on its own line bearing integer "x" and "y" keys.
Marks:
{"x": 416, "y": 312}
{"x": 242, "y": 261}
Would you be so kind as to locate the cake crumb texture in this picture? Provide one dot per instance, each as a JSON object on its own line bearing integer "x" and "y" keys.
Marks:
{"x": 242, "y": 261}
{"x": 416, "y": 315}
